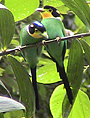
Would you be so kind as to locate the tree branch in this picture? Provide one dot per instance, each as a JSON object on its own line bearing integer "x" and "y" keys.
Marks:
{"x": 58, "y": 39}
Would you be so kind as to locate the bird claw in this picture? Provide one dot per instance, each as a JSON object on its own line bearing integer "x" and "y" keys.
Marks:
{"x": 81, "y": 37}
{"x": 58, "y": 39}
{"x": 43, "y": 42}
{"x": 20, "y": 47}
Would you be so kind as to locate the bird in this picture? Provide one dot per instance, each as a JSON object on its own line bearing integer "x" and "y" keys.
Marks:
{"x": 55, "y": 30}
{"x": 32, "y": 34}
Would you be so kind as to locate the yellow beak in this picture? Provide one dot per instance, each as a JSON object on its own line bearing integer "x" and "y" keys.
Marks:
{"x": 45, "y": 35}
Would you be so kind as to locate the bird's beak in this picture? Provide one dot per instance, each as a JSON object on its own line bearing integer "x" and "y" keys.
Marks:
{"x": 40, "y": 9}
{"x": 45, "y": 35}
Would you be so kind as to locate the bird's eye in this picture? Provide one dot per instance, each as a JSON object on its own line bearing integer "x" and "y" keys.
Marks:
{"x": 36, "y": 30}
{"x": 50, "y": 10}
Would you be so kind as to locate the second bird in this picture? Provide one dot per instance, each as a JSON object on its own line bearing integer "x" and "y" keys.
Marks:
{"x": 31, "y": 34}
{"x": 54, "y": 27}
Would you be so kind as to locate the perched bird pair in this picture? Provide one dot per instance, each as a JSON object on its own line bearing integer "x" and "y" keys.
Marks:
{"x": 33, "y": 33}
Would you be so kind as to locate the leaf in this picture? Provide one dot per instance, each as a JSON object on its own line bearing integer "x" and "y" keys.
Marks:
{"x": 54, "y": 3}
{"x": 80, "y": 109}
{"x": 2, "y": 84}
{"x": 56, "y": 101}
{"x": 75, "y": 73}
{"x": 1, "y": 115}
{"x": 14, "y": 114}
{"x": 9, "y": 81}
{"x": 8, "y": 104}
{"x": 86, "y": 48}
{"x": 1, "y": 71}
{"x": 25, "y": 86}
{"x": 81, "y": 9}
{"x": 48, "y": 74}
{"x": 21, "y": 8}
{"x": 7, "y": 26}
{"x": 85, "y": 8}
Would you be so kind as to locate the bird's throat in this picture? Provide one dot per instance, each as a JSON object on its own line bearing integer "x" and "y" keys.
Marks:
{"x": 46, "y": 15}
{"x": 36, "y": 35}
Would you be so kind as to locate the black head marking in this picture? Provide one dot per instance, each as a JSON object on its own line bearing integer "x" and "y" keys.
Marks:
{"x": 39, "y": 26}
{"x": 31, "y": 28}
{"x": 50, "y": 7}
{"x": 52, "y": 10}
{"x": 36, "y": 26}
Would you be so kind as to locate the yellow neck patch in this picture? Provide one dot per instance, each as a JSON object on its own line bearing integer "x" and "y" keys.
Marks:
{"x": 46, "y": 15}
{"x": 36, "y": 35}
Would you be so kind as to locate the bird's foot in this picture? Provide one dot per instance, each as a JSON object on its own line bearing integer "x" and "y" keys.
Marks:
{"x": 44, "y": 43}
{"x": 58, "y": 39}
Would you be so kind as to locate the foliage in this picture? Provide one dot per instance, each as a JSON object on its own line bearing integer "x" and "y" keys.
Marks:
{"x": 15, "y": 80}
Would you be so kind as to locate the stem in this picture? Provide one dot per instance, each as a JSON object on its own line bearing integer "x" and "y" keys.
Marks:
{"x": 43, "y": 43}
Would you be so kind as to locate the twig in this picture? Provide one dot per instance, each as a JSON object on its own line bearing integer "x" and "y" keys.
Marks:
{"x": 19, "y": 48}
{"x": 70, "y": 37}
{"x": 41, "y": 43}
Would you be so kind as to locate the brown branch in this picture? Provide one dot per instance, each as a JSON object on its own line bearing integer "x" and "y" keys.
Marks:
{"x": 70, "y": 37}
{"x": 58, "y": 39}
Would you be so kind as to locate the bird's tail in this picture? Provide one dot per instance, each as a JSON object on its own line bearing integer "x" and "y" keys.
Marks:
{"x": 63, "y": 76}
{"x": 34, "y": 82}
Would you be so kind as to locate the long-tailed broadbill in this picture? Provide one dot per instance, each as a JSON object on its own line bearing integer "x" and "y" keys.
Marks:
{"x": 55, "y": 28}
{"x": 31, "y": 34}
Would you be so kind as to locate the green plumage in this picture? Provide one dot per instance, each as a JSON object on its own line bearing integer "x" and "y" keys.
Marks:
{"x": 31, "y": 54}
{"x": 55, "y": 28}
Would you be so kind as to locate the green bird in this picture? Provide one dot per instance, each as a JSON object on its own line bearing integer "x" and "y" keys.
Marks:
{"x": 55, "y": 28}
{"x": 31, "y": 34}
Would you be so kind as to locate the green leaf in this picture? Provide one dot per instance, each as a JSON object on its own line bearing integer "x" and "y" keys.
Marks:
{"x": 85, "y": 8}
{"x": 75, "y": 73}
{"x": 8, "y": 104}
{"x": 2, "y": 84}
{"x": 21, "y": 8}
{"x": 14, "y": 114}
{"x": 54, "y": 3}
{"x": 48, "y": 74}
{"x": 1, "y": 115}
{"x": 56, "y": 101}
{"x": 1, "y": 71}
{"x": 25, "y": 86}
{"x": 9, "y": 81}
{"x": 80, "y": 109}
{"x": 86, "y": 48}
{"x": 7, "y": 26}
{"x": 81, "y": 9}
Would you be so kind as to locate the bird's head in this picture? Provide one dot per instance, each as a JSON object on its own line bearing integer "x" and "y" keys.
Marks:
{"x": 48, "y": 12}
{"x": 37, "y": 30}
